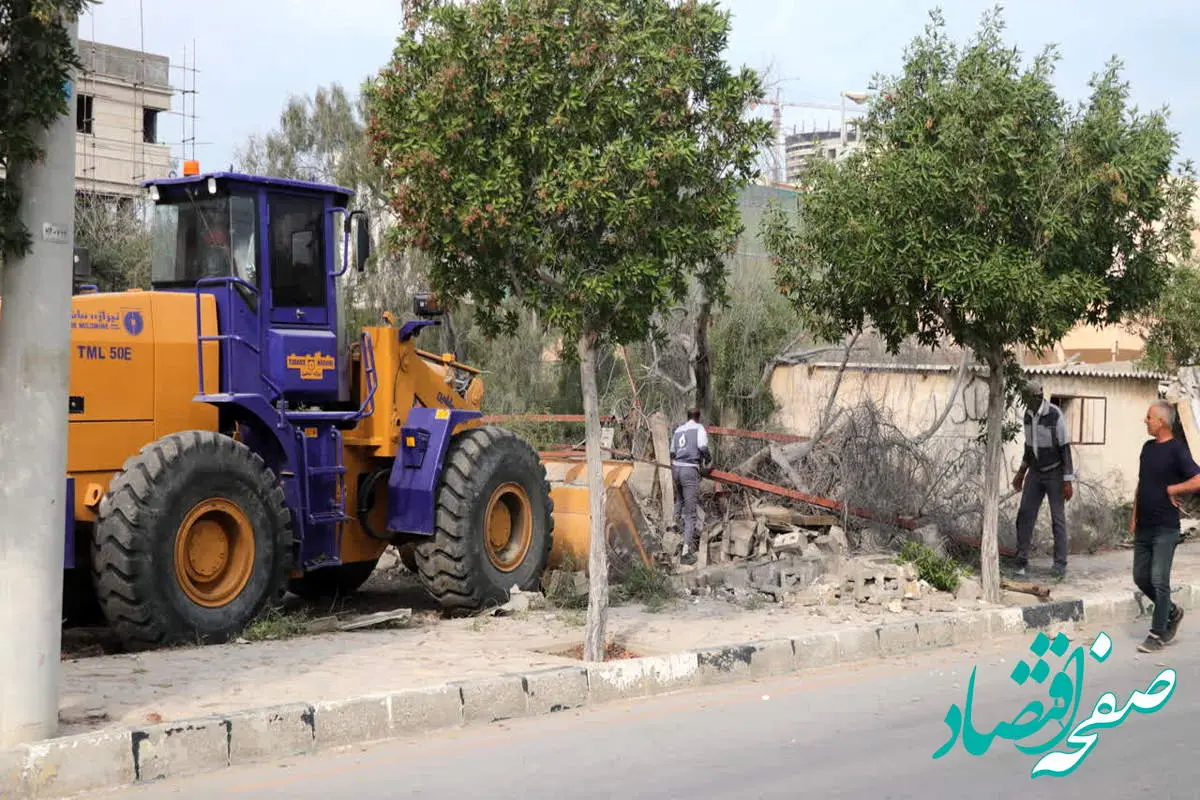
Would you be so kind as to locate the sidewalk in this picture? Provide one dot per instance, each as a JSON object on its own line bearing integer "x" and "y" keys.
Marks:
{"x": 138, "y": 718}
{"x": 191, "y": 682}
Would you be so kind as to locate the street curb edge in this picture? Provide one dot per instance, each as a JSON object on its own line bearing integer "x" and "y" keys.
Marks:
{"x": 116, "y": 757}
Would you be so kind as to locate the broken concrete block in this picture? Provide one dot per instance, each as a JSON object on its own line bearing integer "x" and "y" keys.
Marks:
{"x": 740, "y": 534}
{"x": 812, "y": 551}
{"x": 767, "y": 575}
{"x": 792, "y": 540}
{"x": 912, "y": 590}
{"x": 562, "y": 585}
{"x": 388, "y": 559}
{"x": 968, "y": 590}
{"x": 895, "y": 606}
{"x": 931, "y": 537}
{"x": 716, "y": 553}
{"x": 817, "y": 594}
{"x": 672, "y": 543}
{"x": 641, "y": 480}
{"x": 838, "y": 536}
{"x": 776, "y": 518}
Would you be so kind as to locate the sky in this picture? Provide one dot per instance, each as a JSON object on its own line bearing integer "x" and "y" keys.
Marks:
{"x": 251, "y": 55}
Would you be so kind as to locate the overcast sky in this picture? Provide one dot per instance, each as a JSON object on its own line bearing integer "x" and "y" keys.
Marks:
{"x": 252, "y": 54}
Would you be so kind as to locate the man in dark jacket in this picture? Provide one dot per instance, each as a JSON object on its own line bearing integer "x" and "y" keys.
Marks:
{"x": 1166, "y": 472}
{"x": 1046, "y": 471}
{"x": 689, "y": 453}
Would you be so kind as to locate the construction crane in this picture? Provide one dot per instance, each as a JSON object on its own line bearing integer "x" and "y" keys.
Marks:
{"x": 777, "y": 105}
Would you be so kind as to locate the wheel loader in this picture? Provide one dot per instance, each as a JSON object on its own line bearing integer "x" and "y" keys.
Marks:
{"x": 226, "y": 442}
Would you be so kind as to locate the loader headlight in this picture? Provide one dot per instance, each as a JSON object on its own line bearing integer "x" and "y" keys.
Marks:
{"x": 153, "y": 194}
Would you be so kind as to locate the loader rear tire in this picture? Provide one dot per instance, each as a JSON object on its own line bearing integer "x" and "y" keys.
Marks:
{"x": 193, "y": 539}
{"x": 494, "y": 521}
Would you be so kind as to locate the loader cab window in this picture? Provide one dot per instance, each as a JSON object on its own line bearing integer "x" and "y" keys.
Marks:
{"x": 298, "y": 270}
{"x": 204, "y": 236}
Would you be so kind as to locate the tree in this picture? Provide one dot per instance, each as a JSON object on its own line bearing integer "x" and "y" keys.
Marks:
{"x": 581, "y": 157}
{"x": 984, "y": 211}
{"x": 118, "y": 241}
{"x": 319, "y": 138}
{"x": 1169, "y": 326}
{"x": 36, "y": 59}
{"x": 322, "y": 137}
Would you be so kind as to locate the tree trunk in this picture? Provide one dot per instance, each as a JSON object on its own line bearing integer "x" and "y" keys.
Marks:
{"x": 702, "y": 367}
{"x": 989, "y": 548}
{"x": 451, "y": 340}
{"x": 597, "y": 613}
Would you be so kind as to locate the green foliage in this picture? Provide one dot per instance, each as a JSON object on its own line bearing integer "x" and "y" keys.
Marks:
{"x": 36, "y": 60}
{"x": 275, "y": 625}
{"x": 982, "y": 208}
{"x": 118, "y": 241}
{"x": 647, "y": 585}
{"x": 940, "y": 572}
{"x": 752, "y": 330}
{"x": 319, "y": 138}
{"x": 322, "y": 137}
{"x": 582, "y": 156}
{"x": 1170, "y": 326}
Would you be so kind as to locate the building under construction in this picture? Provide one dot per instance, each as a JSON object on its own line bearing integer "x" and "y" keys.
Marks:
{"x": 122, "y": 98}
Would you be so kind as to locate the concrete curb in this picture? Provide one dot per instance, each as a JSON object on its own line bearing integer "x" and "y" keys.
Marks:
{"x": 115, "y": 757}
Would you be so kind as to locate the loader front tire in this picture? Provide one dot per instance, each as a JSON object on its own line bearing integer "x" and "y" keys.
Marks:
{"x": 193, "y": 539}
{"x": 494, "y": 521}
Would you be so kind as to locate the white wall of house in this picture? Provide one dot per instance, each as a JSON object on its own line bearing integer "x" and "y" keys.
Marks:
{"x": 1104, "y": 409}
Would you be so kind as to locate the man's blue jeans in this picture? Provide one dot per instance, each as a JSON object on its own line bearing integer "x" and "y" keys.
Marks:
{"x": 1153, "y": 552}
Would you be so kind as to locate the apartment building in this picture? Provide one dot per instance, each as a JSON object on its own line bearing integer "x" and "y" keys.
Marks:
{"x": 122, "y": 99}
{"x": 801, "y": 145}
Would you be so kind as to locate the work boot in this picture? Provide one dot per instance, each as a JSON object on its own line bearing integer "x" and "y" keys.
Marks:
{"x": 1059, "y": 571}
{"x": 1152, "y": 644}
{"x": 1173, "y": 623}
{"x": 688, "y": 556}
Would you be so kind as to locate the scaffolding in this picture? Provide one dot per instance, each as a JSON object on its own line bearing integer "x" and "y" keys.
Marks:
{"x": 187, "y": 139}
{"x": 129, "y": 153}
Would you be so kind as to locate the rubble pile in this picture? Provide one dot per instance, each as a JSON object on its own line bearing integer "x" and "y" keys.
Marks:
{"x": 871, "y": 581}
{"x": 785, "y": 556}
{"x": 762, "y": 532}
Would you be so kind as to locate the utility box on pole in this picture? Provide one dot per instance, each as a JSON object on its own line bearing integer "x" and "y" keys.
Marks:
{"x": 35, "y": 331}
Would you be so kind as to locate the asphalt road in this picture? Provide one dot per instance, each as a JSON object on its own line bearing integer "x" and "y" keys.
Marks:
{"x": 867, "y": 732}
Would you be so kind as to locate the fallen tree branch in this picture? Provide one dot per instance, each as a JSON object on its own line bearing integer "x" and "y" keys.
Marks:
{"x": 797, "y": 451}
{"x": 784, "y": 466}
{"x": 1026, "y": 588}
{"x": 954, "y": 391}
{"x": 655, "y": 370}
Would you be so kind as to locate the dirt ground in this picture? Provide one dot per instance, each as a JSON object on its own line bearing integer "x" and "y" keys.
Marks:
{"x": 109, "y": 690}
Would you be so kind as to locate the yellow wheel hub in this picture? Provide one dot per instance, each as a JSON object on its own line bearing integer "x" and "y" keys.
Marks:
{"x": 508, "y": 524}
{"x": 214, "y": 553}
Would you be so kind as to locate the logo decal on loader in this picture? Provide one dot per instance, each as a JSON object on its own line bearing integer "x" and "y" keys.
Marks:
{"x": 312, "y": 366}
{"x": 133, "y": 322}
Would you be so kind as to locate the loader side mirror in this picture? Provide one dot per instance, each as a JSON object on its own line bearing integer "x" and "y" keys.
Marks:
{"x": 82, "y": 267}
{"x": 425, "y": 305}
{"x": 362, "y": 238}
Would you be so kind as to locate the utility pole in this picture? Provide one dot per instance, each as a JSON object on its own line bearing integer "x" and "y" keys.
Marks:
{"x": 35, "y": 336}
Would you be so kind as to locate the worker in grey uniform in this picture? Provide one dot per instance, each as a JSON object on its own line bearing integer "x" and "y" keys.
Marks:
{"x": 1046, "y": 472}
{"x": 689, "y": 454}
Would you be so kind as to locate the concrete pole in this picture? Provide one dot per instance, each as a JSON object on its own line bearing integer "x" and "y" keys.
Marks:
{"x": 34, "y": 362}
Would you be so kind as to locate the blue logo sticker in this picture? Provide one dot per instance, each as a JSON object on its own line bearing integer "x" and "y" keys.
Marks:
{"x": 133, "y": 322}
